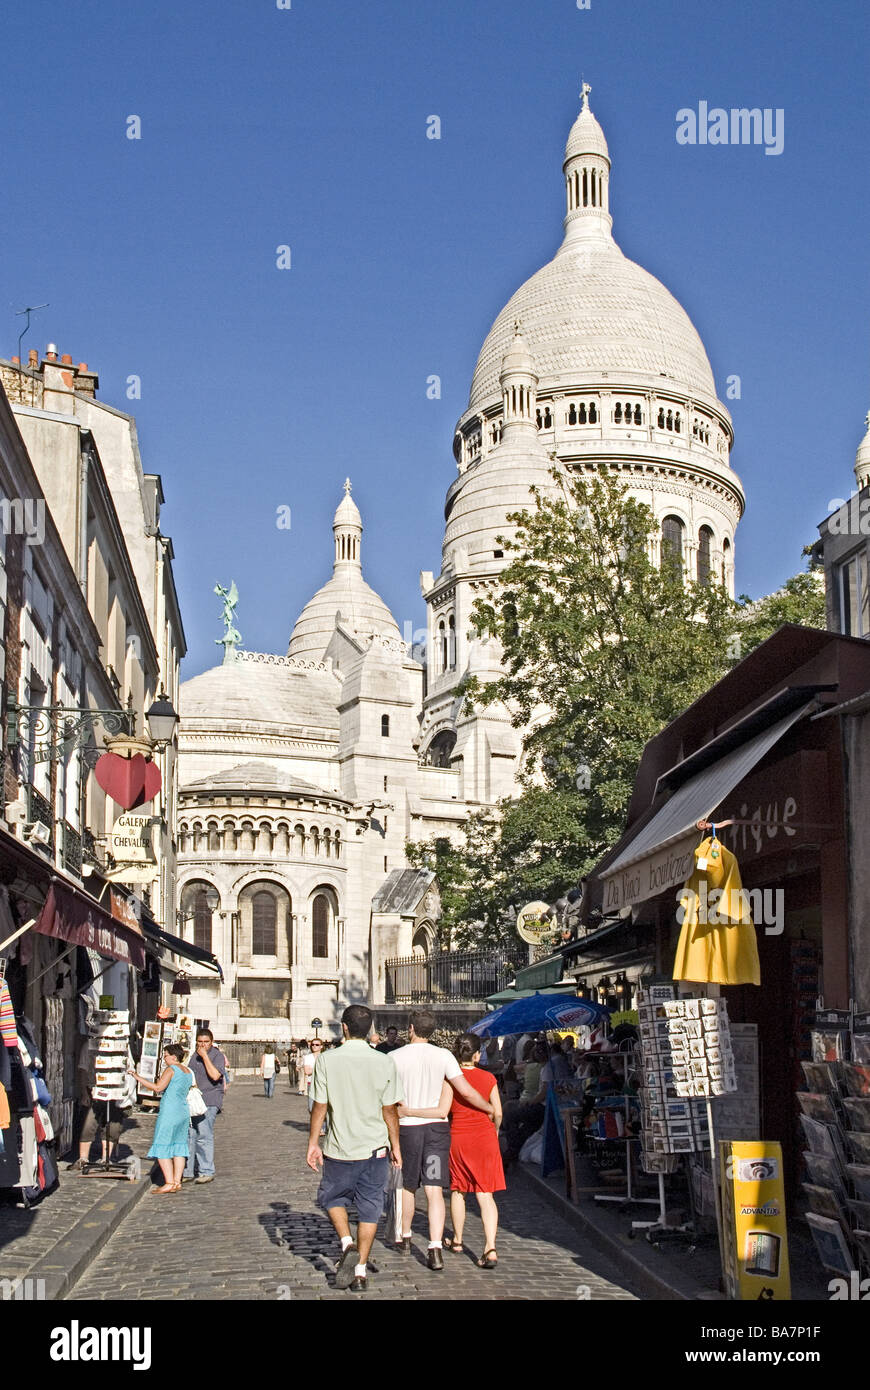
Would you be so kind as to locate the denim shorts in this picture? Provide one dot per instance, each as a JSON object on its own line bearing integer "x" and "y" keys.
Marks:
{"x": 359, "y": 1183}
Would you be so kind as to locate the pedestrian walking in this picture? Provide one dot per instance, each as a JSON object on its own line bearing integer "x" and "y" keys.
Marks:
{"x": 267, "y": 1069}
{"x": 309, "y": 1060}
{"x": 391, "y": 1042}
{"x": 475, "y": 1157}
{"x": 211, "y": 1073}
{"x": 170, "y": 1143}
{"x": 358, "y": 1090}
{"x": 425, "y": 1137}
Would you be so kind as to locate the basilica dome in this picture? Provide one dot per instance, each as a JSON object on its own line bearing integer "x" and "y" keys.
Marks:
{"x": 591, "y": 310}
{"x": 346, "y": 597}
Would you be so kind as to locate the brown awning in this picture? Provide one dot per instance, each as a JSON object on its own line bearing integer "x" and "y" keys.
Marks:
{"x": 76, "y": 918}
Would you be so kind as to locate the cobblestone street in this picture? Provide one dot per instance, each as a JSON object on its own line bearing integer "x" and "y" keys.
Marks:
{"x": 255, "y": 1232}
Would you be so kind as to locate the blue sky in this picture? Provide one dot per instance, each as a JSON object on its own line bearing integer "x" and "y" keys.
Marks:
{"x": 264, "y": 388}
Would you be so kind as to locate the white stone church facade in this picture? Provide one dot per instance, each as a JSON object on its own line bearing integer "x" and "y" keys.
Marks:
{"x": 303, "y": 776}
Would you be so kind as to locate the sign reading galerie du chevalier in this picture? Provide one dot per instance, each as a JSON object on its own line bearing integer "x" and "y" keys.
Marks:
{"x": 130, "y": 845}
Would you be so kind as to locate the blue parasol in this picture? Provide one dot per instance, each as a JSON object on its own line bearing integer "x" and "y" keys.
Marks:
{"x": 538, "y": 1013}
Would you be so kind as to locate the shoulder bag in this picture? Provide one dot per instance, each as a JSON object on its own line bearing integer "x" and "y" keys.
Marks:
{"x": 196, "y": 1101}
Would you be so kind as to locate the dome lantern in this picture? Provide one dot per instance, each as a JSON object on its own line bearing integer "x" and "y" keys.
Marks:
{"x": 587, "y": 178}
{"x": 347, "y": 528}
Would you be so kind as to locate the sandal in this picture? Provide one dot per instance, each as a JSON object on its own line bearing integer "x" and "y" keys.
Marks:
{"x": 160, "y": 1191}
{"x": 488, "y": 1260}
{"x": 452, "y": 1244}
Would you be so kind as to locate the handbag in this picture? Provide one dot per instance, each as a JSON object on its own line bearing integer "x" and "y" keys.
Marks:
{"x": 277, "y": 1066}
{"x": 196, "y": 1102}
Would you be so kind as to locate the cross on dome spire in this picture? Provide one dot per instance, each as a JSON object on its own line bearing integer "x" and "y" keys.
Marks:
{"x": 584, "y": 93}
{"x": 347, "y": 487}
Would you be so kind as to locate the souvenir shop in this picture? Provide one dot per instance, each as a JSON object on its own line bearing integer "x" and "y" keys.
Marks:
{"x": 764, "y": 774}
{"x": 63, "y": 956}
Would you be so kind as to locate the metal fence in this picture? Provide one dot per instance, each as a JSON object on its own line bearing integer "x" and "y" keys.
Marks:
{"x": 447, "y": 976}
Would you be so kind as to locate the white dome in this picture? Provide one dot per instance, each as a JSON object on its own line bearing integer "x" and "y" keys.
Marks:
{"x": 591, "y": 311}
{"x": 586, "y": 137}
{"x": 346, "y": 593}
{"x": 500, "y": 483}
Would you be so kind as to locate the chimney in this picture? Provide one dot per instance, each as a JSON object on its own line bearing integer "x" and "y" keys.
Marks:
{"x": 33, "y": 359}
{"x": 58, "y": 380}
{"x": 16, "y": 361}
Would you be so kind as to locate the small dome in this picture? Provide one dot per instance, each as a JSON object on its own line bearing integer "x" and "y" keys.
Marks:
{"x": 500, "y": 483}
{"x": 347, "y": 595}
{"x": 347, "y": 512}
{"x": 518, "y": 358}
{"x": 586, "y": 137}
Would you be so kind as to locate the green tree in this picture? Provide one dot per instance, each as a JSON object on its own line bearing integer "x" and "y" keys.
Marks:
{"x": 601, "y": 648}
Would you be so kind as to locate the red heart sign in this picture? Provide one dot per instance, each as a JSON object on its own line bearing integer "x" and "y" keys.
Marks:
{"x": 130, "y": 781}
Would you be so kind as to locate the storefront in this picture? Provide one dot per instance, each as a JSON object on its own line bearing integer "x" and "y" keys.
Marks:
{"x": 762, "y": 755}
{"x": 57, "y": 944}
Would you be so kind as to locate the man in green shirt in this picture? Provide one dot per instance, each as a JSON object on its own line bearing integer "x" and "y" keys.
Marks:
{"x": 359, "y": 1089}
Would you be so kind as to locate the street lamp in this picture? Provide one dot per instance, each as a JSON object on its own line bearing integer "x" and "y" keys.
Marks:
{"x": 161, "y": 719}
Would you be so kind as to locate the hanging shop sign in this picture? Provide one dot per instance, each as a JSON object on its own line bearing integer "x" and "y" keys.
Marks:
{"x": 535, "y": 923}
{"x": 129, "y": 781}
{"x": 79, "y": 921}
{"x": 130, "y": 843}
{"x": 753, "y": 1210}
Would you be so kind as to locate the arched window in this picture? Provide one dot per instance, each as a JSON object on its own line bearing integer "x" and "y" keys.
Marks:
{"x": 195, "y": 908}
{"x": 572, "y": 414}
{"x": 439, "y": 750}
{"x": 677, "y": 422}
{"x": 299, "y": 840}
{"x": 672, "y": 539}
{"x": 583, "y": 416}
{"x": 661, "y": 419}
{"x": 385, "y": 726}
{"x": 264, "y": 931}
{"x": 320, "y": 927}
{"x": 451, "y": 642}
{"x": 638, "y": 417}
{"x": 585, "y": 188}
{"x": 593, "y": 414}
{"x": 705, "y": 555}
{"x": 327, "y": 842}
{"x": 617, "y": 414}
{"x": 336, "y": 840}
{"x": 548, "y": 418}
{"x": 726, "y": 559}
{"x": 441, "y": 650}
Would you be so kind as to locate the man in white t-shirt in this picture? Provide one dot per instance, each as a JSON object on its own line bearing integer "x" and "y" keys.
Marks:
{"x": 424, "y": 1134}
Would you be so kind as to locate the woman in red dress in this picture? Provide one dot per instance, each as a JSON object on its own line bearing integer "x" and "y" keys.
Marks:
{"x": 475, "y": 1159}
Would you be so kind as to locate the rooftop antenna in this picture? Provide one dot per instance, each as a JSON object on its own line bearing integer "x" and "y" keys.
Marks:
{"x": 31, "y": 309}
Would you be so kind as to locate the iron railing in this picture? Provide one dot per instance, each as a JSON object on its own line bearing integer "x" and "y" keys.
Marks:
{"x": 448, "y": 976}
{"x": 72, "y": 848}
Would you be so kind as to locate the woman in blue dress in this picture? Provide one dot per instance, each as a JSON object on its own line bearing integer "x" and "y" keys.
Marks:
{"x": 170, "y": 1143}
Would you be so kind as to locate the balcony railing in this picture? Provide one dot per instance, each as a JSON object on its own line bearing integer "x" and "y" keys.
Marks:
{"x": 39, "y": 809}
{"x": 449, "y": 976}
{"x": 72, "y": 848}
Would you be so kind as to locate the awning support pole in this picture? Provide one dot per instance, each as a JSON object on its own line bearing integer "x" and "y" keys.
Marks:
{"x": 16, "y": 934}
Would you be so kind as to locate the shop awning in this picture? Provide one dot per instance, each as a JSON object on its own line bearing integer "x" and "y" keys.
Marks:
{"x": 74, "y": 917}
{"x": 660, "y": 856}
{"x": 542, "y": 973}
{"x": 180, "y": 947}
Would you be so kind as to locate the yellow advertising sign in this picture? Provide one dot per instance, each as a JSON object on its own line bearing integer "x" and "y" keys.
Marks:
{"x": 753, "y": 1219}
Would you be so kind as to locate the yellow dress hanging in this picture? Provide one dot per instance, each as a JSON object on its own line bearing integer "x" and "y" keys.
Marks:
{"x": 717, "y": 943}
